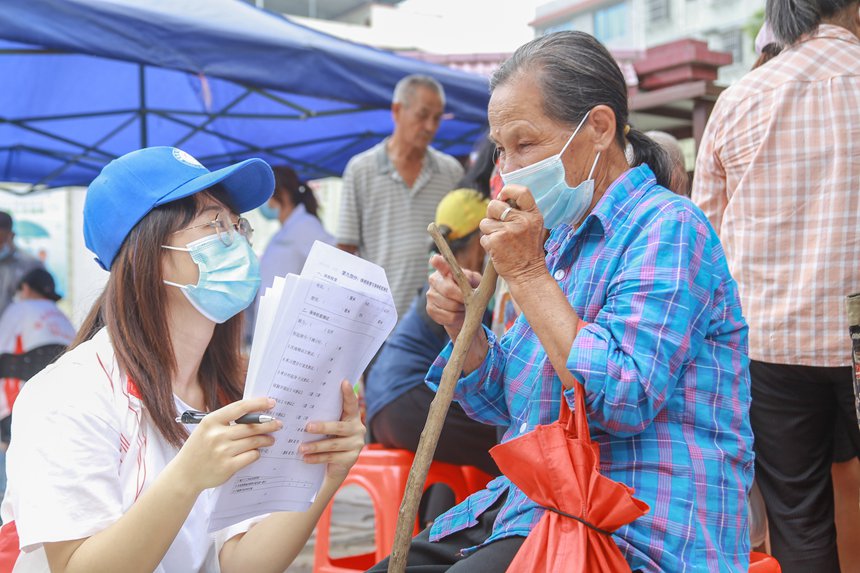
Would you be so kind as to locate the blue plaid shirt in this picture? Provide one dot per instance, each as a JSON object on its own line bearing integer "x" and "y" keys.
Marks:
{"x": 665, "y": 369}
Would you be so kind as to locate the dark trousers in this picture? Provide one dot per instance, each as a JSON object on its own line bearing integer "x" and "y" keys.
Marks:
{"x": 792, "y": 414}
{"x": 444, "y": 555}
{"x": 463, "y": 441}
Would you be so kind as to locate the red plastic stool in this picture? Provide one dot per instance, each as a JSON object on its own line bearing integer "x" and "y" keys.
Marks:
{"x": 475, "y": 478}
{"x": 763, "y": 563}
{"x": 383, "y": 474}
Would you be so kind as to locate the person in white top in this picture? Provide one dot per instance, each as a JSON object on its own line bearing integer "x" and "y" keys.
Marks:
{"x": 295, "y": 206}
{"x": 31, "y": 321}
{"x": 101, "y": 476}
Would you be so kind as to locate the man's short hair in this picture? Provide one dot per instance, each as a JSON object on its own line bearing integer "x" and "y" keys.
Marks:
{"x": 5, "y": 221}
{"x": 680, "y": 181}
{"x": 405, "y": 88}
{"x": 671, "y": 146}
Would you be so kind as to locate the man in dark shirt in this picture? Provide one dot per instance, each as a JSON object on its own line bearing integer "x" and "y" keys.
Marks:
{"x": 398, "y": 400}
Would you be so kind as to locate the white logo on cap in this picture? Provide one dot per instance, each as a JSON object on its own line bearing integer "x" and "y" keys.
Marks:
{"x": 185, "y": 158}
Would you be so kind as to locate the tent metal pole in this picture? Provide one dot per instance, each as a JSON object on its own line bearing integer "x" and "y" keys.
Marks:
{"x": 54, "y": 136}
{"x": 142, "y": 112}
{"x": 231, "y": 115}
{"x": 212, "y": 117}
{"x": 265, "y": 92}
{"x": 283, "y": 101}
{"x": 249, "y": 147}
{"x": 53, "y": 154}
{"x": 28, "y": 51}
{"x": 87, "y": 115}
{"x": 291, "y": 117}
{"x": 467, "y": 138}
{"x": 78, "y": 156}
{"x": 363, "y": 135}
{"x": 343, "y": 148}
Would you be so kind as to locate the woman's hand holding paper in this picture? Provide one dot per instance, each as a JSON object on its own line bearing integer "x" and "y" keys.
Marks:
{"x": 217, "y": 448}
{"x": 346, "y": 438}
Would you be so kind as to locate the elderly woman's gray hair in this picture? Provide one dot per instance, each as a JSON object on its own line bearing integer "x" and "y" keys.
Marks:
{"x": 575, "y": 73}
{"x": 791, "y": 19}
{"x": 680, "y": 183}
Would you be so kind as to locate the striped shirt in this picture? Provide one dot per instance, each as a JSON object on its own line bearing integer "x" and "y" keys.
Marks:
{"x": 388, "y": 221}
{"x": 778, "y": 175}
{"x": 663, "y": 361}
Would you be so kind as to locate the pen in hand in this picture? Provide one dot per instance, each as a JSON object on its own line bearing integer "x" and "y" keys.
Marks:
{"x": 194, "y": 417}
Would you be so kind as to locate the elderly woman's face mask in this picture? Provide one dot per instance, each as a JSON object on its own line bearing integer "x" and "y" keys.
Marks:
{"x": 557, "y": 202}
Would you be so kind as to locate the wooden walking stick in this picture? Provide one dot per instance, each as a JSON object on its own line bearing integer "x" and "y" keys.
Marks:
{"x": 476, "y": 303}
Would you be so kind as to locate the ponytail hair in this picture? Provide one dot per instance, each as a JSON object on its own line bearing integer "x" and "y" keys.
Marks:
{"x": 576, "y": 73}
{"x": 646, "y": 150}
{"x": 288, "y": 185}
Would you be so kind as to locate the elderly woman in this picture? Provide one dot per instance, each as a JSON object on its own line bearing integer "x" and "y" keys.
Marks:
{"x": 629, "y": 294}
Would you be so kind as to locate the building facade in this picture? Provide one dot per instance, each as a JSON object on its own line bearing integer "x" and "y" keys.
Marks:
{"x": 347, "y": 11}
{"x": 635, "y": 25}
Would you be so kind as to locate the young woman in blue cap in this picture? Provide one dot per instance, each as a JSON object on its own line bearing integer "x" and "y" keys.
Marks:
{"x": 101, "y": 476}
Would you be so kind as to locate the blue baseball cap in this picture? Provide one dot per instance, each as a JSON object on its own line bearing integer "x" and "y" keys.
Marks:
{"x": 131, "y": 186}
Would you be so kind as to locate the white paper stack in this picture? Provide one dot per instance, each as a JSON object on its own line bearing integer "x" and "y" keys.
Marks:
{"x": 312, "y": 332}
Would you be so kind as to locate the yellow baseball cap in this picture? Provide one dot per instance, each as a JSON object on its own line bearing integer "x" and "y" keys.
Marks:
{"x": 461, "y": 211}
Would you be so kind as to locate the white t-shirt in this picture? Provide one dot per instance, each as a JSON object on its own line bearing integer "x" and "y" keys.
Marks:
{"x": 83, "y": 451}
{"x": 34, "y": 323}
{"x": 26, "y": 325}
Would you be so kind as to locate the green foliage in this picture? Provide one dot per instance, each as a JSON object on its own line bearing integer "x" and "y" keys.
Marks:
{"x": 754, "y": 24}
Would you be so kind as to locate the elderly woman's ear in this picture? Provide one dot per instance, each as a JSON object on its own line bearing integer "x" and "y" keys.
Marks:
{"x": 602, "y": 128}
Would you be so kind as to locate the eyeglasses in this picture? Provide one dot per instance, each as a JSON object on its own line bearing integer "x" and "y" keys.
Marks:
{"x": 226, "y": 230}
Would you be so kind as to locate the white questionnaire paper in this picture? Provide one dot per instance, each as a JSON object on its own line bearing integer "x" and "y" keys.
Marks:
{"x": 265, "y": 314}
{"x": 313, "y": 331}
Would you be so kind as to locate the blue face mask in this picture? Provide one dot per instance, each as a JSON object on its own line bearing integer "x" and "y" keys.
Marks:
{"x": 5, "y": 251}
{"x": 229, "y": 277}
{"x": 269, "y": 212}
{"x": 557, "y": 202}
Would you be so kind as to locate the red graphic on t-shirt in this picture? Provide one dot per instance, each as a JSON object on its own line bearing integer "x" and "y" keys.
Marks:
{"x": 12, "y": 386}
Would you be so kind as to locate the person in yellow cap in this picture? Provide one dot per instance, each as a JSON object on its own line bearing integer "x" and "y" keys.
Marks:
{"x": 458, "y": 216}
{"x": 397, "y": 398}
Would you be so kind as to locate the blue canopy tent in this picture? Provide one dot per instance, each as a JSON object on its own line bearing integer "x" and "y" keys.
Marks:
{"x": 85, "y": 81}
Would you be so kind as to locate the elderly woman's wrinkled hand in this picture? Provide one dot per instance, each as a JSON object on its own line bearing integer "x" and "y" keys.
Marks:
{"x": 514, "y": 237}
{"x": 445, "y": 299}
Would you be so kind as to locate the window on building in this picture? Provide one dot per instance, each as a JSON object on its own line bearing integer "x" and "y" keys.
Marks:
{"x": 658, "y": 11}
{"x": 560, "y": 27}
{"x": 732, "y": 41}
{"x": 610, "y": 23}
